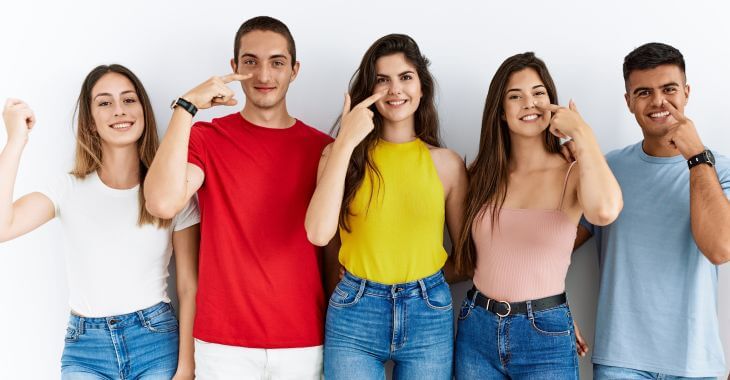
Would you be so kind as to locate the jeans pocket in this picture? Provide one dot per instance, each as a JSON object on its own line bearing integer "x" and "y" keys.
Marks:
{"x": 163, "y": 322}
{"x": 552, "y": 322}
{"x": 72, "y": 335}
{"x": 465, "y": 310}
{"x": 439, "y": 297}
{"x": 344, "y": 296}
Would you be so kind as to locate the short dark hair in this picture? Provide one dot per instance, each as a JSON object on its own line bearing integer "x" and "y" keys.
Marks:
{"x": 651, "y": 55}
{"x": 268, "y": 24}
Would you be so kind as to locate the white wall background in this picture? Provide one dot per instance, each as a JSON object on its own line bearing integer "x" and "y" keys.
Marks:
{"x": 48, "y": 47}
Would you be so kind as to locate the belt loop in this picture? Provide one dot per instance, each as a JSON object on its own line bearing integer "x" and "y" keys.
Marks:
{"x": 474, "y": 298}
{"x": 424, "y": 293}
{"x": 363, "y": 283}
{"x": 529, "y": 310}
{"x": 142, "y": 319}
{"x": 80, "y": 327}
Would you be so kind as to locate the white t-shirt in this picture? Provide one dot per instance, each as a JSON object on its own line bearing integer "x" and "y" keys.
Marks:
{"x": 114, "y": 266}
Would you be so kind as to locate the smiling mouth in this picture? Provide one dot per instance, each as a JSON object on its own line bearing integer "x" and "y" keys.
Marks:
{"x": 659, "y": 115}
{"x": 264, "y": 89}
{"x": 122, "y": 125}
{"x": 530, "y": 117}
{"x": 396, "y": 103}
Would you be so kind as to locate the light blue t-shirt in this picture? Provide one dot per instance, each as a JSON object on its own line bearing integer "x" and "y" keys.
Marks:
{"x": 657, "y": 305}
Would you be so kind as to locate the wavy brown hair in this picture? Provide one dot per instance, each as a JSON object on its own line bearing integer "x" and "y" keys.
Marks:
{"x": 88, "y": 142}
{"x": 488, "y": 173}
{"x": 362, "y": 85}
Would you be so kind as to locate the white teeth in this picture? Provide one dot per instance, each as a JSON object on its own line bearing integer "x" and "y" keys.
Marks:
{"x": 121, "y": 125}
{"x": 395, "y": 102}
{"x": 659, "y": 114}
{"x": 529, "y": 117}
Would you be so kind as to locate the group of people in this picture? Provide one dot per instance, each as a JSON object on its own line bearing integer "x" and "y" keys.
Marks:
{"x": 245, "y": 202}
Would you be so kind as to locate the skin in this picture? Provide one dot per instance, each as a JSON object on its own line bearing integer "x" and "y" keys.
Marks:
{"x": 265, "y": 70}
{"x": 657, "y": 98}
{"x": 536, "y": 176}
{"x": 114, "y": 103}
{"x": 397, "y": 81}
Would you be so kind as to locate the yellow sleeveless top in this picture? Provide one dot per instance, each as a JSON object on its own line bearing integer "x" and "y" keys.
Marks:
{"x": 397, "y": 226}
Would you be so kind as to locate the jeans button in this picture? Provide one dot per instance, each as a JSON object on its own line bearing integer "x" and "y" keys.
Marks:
{"x": 113, "y": 322}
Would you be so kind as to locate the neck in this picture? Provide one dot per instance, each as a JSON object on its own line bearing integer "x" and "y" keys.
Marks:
{"x": 528, "y": 153}
{"x": 119, "y": 166}
{"x": 399, "y": 132}
{"x": 658, "y": 146}
{"x": 272, "y": 117}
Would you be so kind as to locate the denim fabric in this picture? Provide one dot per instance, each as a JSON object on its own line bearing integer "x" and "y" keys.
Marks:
{"x": 605, "y": 372}
{"x": 536, "y": 345}
{"x": 141, "y": 345}
{"x": 370, "y": 323}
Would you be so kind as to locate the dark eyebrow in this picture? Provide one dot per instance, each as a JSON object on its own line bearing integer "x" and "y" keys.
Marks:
{"x": 400, "y": 75}
{"x": 670, "y": 84}
{"x": 275, "y": 56}
{"x": 108, "y": 94}
{"x": 533, "y": 87}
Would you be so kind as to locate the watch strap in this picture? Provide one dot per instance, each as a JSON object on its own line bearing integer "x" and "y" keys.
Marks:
{"x": 186, "y": 105}
{"x": 703, "y": 158}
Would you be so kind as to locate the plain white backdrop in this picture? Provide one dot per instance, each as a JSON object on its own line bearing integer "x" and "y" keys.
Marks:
{"x": 49, "y": 47}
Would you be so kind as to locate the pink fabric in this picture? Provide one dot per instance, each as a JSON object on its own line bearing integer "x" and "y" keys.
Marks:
{"x": 526, "y": 256}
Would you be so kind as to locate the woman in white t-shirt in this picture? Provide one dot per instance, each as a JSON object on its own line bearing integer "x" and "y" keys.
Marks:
{"x": 121, "y": 323}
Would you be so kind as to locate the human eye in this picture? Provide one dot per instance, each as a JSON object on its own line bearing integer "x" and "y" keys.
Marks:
{"x": 130, "y": 100}
{"x": 406, "y": 77}
{"x": 540, "y": 93}
{"x": 278, "y": 63}
{"x": 670, "y": 90}
{"x": 249, "y": 61}
{"x": 103, "y": 103}
{"x": 643, "y": 93}
{"x": 381, "y": 80}
{"x": 513, "y": 97}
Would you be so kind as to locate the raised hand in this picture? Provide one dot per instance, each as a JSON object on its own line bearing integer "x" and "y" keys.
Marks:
{"x": 214, "y": 91}
{"x": 565, "y": 122}
{"x": 357, "y": 123}
{"x": 19, "y": 119}
{"x": 683, "y": 134}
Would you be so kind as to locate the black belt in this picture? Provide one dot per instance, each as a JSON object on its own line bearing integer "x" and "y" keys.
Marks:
{"x": 504, "y": 308}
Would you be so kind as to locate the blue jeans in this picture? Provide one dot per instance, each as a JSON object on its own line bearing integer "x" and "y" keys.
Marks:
{"x": 370, "y": 323}
{"x": 536, "y": 345}
{"x": 605, "y": 372}
{"x": 139, "y": 345}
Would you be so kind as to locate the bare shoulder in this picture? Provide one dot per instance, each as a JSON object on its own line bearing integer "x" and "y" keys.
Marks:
{"x": 446, "y": 158}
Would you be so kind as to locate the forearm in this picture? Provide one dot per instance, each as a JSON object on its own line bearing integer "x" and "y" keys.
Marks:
{"x": 709, "y": 214}
{"x": 9, "y": 162}
{"x": 166, "y": 182}
{"x": 599, "y": 192}
{"x": 186, "y": 361}
{"x": 324, "y": 209}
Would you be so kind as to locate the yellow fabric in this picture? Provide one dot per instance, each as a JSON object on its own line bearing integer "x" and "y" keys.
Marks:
{"x": 399, "y": 237}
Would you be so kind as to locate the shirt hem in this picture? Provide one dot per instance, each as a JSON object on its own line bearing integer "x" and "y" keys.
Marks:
{"x": 258, "y": 344}
{"x": 655, "y": 369}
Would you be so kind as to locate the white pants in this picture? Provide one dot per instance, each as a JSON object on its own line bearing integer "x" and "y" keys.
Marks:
{"x": 220, "y": 362}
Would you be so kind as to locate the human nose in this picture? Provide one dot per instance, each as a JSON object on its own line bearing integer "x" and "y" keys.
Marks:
{"x": 119, "y": 108}
{"x": 394, "y": 88}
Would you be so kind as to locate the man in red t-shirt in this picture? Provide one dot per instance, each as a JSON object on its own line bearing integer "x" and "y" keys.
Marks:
{"x": 260, "y": 302}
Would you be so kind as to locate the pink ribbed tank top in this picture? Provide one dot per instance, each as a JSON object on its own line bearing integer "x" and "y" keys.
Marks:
{"x": 527, "y": 255}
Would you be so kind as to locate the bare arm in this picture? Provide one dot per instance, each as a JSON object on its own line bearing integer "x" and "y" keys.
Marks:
{"x": 185, "y": 246}
{"x": 323, "y": 212}
{"x": 708, "y": 206}
{"x": 452, "y": 171}
{"x": 34, "y": 209}
{"x": 598, "y": 191}
{"x": 171, "y": 180}
{"x": 709, "y": 214}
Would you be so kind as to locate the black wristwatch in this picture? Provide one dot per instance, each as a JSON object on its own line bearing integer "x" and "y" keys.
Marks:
{"x": 705, "y": 157}
{"x": 186, "y": 105}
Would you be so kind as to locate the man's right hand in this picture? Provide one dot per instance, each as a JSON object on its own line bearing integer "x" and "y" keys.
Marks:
{"x": 214, "y": 91}
{"x": 19, "y": 119}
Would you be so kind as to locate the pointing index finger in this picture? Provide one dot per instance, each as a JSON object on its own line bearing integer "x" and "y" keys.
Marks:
{"x": 235, "y": 76}
{"x": 546, "y": 107}
{"x": 371, "y": 99}
{"x": 673, "y": 110}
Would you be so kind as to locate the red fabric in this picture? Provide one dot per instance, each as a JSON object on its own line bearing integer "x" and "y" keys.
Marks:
{"x": 260, "y": 284}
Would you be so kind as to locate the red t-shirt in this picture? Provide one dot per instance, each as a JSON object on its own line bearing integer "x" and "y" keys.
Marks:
{"x": 259, "y": 280}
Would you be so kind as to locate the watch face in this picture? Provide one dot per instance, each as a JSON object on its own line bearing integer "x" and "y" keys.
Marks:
{"x": 710, "y": 157}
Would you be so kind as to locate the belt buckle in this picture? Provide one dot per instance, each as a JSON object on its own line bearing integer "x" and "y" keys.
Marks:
{"x": 509, "y": 309}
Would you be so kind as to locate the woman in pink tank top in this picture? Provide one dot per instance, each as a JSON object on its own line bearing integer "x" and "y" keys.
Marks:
{"x": 521, "y": 213}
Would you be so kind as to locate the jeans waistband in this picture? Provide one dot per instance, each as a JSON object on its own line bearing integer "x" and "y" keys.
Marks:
{"x": 413, "y": 288}
{"x": 119, "y": 321}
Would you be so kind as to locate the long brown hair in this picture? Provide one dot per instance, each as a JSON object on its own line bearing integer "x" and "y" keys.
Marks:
{"x": 88, "y": 143}
{"x": 488, "y": 174}
{"x": 362, "y": 84}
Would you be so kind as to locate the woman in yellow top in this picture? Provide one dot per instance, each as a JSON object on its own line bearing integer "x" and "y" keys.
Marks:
{"x": 388, "y": 185}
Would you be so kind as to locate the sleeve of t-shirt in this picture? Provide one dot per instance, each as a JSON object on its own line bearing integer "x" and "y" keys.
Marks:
{"x": 587, "y": 225}
{"x": 56, "y": 190}
{"x": 196, "y": 146}
{"x": 188, "y": 216}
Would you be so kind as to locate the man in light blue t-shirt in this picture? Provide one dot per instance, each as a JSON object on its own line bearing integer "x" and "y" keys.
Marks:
{"x": 657, "y": 305}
